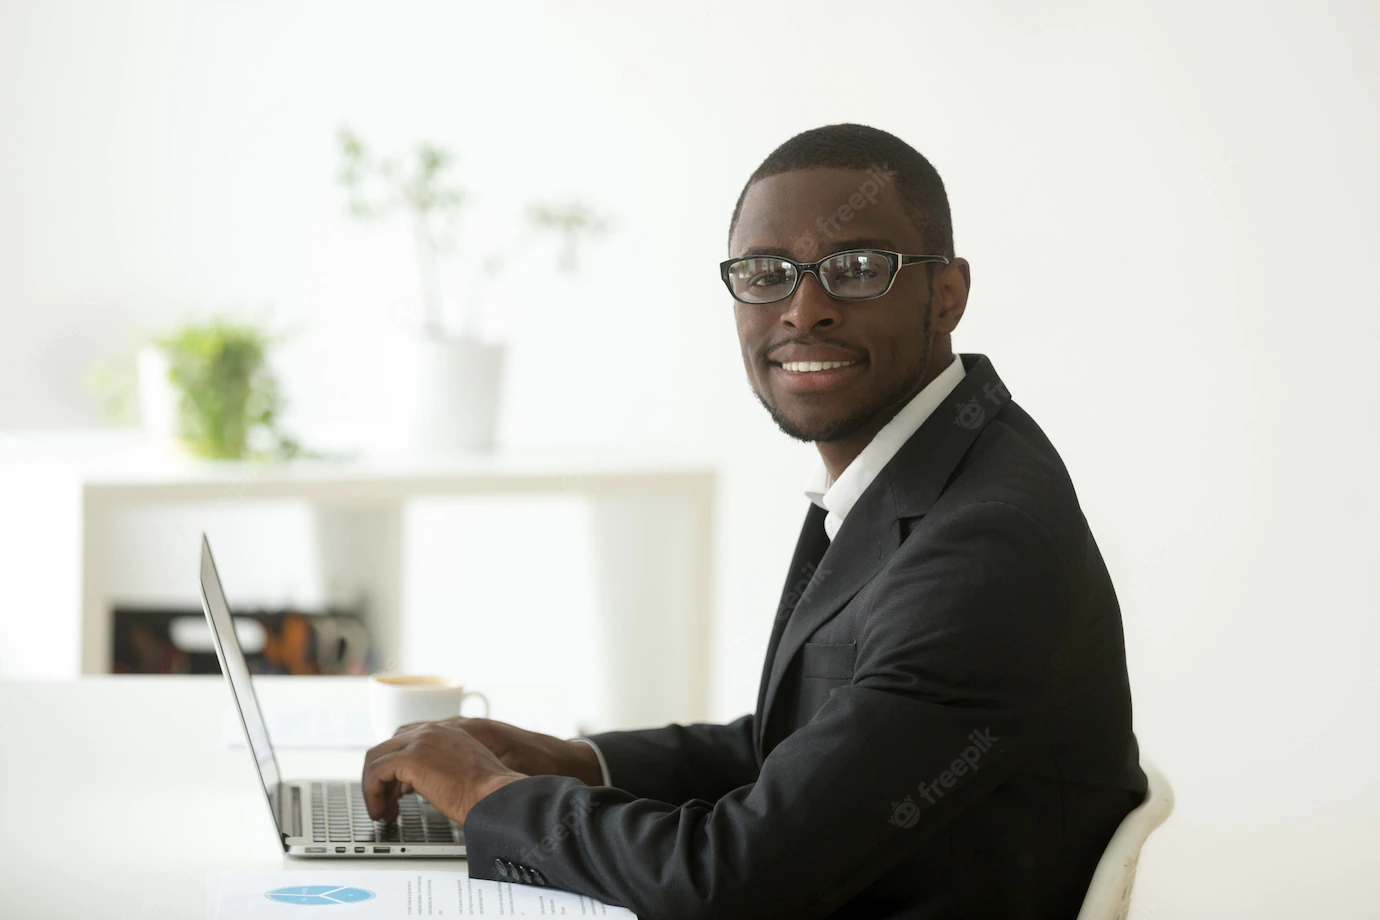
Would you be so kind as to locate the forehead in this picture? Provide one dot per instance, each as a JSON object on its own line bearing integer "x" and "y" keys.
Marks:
{"x": 809, "y": 213}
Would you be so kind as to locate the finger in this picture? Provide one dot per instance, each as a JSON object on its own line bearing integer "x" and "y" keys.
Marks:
{"x": 479, "y": 728}
{"x": 478, "y": 723}
{"x": 380, "y": 785}
{"x": 493, "y": 735}
{"x": 387, "y": 746}
{"x": 404, "y": 788}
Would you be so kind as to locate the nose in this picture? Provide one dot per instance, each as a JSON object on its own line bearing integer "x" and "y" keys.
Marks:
{"x": 810, "y": 306}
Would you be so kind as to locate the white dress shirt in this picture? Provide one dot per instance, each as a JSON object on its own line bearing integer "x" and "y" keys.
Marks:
{"x": 839, "y": 496}
{"x": 603, "y": 767}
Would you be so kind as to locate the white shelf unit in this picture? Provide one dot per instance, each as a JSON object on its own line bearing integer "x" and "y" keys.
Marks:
{"x": 651, "y": 525}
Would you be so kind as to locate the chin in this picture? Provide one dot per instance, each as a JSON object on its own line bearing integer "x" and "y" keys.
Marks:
{"x": 816, "y": 429}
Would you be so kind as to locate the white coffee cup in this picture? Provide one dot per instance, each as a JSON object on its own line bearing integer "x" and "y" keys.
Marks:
{"x": 396, "y": 699}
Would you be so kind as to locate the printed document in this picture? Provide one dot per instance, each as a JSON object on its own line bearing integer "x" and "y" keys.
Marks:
{"x": 389, "y": 894}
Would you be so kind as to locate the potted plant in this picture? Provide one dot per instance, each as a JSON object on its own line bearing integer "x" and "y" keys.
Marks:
{"x": 208, "y": 389}
{"x": 447, "y": 377}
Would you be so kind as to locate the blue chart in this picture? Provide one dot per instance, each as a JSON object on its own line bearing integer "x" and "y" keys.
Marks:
{"x": 319, "y": 894}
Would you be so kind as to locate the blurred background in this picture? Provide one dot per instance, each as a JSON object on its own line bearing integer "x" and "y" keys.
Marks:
{"x": 243, "y": 246}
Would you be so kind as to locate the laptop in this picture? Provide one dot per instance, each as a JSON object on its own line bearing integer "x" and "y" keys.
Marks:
{"x": 317, "y": 817}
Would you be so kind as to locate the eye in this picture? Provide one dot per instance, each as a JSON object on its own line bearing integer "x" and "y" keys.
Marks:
{"x": 767, "y": 278}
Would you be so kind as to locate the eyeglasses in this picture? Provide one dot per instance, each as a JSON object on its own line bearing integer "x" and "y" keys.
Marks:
{"x": 858, "y": 274}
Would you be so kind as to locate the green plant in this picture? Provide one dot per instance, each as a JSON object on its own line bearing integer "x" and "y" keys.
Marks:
{"x": 570, "y": 222}
{"x": 377, "y": 187}
{"x": 423, "y": 186}
{"x": 228, "y": 397}
{"x": 112, "y": 383}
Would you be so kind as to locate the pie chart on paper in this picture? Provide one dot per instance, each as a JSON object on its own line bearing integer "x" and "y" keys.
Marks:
{"x": 319, "y": 895}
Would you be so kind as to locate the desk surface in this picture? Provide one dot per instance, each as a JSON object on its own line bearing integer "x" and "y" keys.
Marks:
{"x": 118, "y": 787}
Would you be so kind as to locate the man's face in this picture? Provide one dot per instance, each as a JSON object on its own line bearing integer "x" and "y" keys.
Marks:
{"x": 806, "y": 215}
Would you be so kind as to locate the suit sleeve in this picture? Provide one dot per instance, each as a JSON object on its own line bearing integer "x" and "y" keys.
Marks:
{"x": 680, "y": 762}
{"x": 953, "y": 674}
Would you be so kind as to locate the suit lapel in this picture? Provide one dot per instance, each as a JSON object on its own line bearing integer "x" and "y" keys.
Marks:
{"x": 871, "y": 533}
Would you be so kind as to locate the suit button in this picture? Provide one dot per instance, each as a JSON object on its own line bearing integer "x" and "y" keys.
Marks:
{"x": 499, "y": 869}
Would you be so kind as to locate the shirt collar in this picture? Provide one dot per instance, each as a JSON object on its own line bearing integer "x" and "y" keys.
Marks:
{"x": 839, "y": 496}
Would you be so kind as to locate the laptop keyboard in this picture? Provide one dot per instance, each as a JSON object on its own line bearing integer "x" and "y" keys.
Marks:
{"x": 338, "y": 815}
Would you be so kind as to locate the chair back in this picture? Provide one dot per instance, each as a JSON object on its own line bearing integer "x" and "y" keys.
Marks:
{"x": 1109, "y": 893}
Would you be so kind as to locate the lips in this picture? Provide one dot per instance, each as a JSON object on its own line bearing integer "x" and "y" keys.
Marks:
{"x": 818, "y": 377}
{"x": 801, "y": 369}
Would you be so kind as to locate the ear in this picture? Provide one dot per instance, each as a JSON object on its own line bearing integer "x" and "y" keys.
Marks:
{"x": 950, "y": 299}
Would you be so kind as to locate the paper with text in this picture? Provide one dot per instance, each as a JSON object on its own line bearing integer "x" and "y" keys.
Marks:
{"x": 388, "y": 894}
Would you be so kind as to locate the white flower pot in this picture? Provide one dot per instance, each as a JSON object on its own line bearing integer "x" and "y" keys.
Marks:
{"x": 446, "y": 394}
{"x": 158, "y": 398}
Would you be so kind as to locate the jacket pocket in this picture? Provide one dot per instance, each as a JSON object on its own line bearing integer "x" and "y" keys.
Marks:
{"x": 827, "y": 660}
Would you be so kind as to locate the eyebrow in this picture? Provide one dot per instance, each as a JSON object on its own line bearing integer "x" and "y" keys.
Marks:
{"x": 866, "y": 242}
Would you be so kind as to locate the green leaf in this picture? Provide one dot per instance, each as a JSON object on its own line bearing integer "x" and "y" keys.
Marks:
{"x": 227, "y": 395}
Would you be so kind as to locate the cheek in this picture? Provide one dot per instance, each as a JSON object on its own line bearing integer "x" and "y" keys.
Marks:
{"x": 752, "y": 333}
{"x": 746, "y": 320}
{"x": 898, "y": 349}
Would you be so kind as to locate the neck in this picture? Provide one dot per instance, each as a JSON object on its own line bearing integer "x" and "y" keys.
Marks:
{"x": 837, "y": 455}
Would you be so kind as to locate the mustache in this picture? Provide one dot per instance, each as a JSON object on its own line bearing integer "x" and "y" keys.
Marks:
{"x": 805, "y": 343}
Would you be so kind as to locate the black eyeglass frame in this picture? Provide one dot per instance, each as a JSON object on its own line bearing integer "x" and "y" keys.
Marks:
{"x": 897, "y": 261}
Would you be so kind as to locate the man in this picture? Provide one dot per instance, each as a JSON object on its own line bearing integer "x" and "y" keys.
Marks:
{"x": 943, "y": 727}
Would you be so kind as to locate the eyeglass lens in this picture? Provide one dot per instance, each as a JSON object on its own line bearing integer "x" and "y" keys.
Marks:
{"x": 848, "y": 275}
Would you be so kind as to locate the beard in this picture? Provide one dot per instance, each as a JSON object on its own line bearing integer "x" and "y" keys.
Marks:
{"x": 814, "y": 432}
{"x": 838, "y": 429}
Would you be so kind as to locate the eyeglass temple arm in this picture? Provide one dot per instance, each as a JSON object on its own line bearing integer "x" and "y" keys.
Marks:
{"x": 903, "y": 260}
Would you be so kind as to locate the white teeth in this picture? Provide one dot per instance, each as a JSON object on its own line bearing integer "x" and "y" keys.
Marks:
{"x": 815, "y": 365}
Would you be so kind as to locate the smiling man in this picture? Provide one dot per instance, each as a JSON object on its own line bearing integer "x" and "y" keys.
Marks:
{"x": 943, "y": 726}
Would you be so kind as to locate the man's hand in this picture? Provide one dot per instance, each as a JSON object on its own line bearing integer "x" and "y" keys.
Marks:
{"x": 535, "y": 754}
{"x": 441, "y": 761}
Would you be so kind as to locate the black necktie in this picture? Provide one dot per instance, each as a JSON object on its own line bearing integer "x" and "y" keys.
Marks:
{"x": 810, "y": 547}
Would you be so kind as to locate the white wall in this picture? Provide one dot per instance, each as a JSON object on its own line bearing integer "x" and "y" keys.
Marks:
{"x": 1170, "y": 210}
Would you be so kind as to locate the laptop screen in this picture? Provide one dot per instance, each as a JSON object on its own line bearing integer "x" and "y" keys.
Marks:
{"x": 233, "y": 665}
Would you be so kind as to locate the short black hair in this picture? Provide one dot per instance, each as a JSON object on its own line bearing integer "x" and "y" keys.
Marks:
{"x": 850, "y": 146}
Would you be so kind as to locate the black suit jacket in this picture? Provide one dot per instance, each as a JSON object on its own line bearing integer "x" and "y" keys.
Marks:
{"x": 943, "y": 727}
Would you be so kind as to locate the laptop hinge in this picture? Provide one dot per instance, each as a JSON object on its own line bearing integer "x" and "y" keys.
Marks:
{"x": 296, "y": 823}
{"x": 289, "y": 810}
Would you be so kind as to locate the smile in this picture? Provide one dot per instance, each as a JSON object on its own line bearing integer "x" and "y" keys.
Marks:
{"x": 810, "y": 367}
{"x": 805, "y": 378}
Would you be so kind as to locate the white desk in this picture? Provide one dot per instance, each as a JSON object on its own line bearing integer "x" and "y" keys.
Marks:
{"x": 63, "y": 496}
{"x": 118, "y": 797}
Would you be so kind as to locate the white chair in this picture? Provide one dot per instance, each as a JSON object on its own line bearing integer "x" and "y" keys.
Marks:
{"x": 1109, "y": 893}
